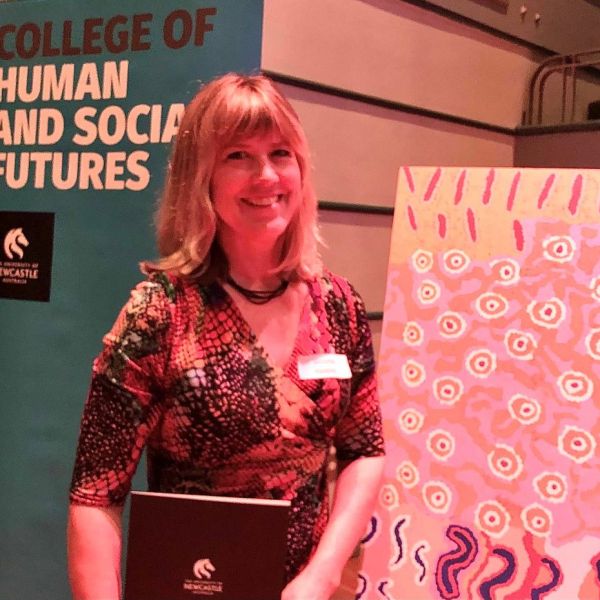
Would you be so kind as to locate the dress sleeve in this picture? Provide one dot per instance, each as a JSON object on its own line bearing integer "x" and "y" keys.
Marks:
{"x": 359, "y": 432}
{"x": 123, "y": 403}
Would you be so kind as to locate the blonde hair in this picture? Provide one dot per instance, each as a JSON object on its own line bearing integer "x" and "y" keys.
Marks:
{"x": 227, "y": 108}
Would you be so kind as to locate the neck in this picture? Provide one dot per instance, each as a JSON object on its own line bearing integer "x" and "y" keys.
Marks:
{"x": 251, "y": 264}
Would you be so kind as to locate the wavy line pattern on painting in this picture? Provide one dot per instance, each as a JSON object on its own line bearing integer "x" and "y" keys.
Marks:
{"x": 419, "y": 560}
{"x": 504, "y": 576}
{"x": 539, "y": 592}
{"x": 450, "y": 564}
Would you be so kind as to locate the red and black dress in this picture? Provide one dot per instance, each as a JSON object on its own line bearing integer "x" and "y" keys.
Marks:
{"x": 182, "y": 374}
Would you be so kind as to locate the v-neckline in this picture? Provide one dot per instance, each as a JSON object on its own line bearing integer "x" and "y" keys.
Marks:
{"x": 308, "y": 307}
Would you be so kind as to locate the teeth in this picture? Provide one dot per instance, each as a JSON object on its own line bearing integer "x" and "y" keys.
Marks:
{"x": 269, "y": 201}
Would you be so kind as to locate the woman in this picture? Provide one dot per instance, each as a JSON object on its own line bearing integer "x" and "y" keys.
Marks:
{"x": 201, "y": 366}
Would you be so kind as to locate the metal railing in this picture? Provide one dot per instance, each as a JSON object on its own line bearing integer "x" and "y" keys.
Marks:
{"x": 569, "y": 67}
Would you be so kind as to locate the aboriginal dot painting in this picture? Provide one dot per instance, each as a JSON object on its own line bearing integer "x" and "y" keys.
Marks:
{"x": 490, "y": 387}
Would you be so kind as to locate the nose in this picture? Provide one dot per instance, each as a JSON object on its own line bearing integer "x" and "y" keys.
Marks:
{"x": 266, "y": 170}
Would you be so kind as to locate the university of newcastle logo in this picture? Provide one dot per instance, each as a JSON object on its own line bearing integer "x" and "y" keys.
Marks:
{"x": 26, "y": 261}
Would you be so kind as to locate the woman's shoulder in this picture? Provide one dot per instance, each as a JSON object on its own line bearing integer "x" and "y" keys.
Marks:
{"x": 155, "y": 297}
{"x": 169, "y": 287}
{"x": 160, "y": 303}
{"x": 183, "y": 296}
{"x": 156, "y": 291}
{"x": 160, "y": 283}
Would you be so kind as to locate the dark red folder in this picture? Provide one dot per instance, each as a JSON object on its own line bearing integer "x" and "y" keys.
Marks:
{"x": 184, "y": 547}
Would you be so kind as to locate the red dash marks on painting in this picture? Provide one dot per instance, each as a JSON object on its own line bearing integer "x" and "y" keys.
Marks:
{"x": 432, "y": 185}
{"x": 513, "y": 191}
{"x": 518, "y": 232}
{"x": 546, "y": 190}
{"x": 442, "y": 225}
{"x": 460, "y": 186}
{"x": 409, "y": 179}
{"x": 575, "y": 194}
{"x": 471, "y": 224}
{"x": 411, "y": 217}
{"x": 489, "y": 180}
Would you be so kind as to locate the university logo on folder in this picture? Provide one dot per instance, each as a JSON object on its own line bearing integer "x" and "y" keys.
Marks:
{"x": 186, "y": 547}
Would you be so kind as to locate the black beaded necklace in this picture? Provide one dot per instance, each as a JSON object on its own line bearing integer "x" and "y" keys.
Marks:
{"x": 258, "y": 296}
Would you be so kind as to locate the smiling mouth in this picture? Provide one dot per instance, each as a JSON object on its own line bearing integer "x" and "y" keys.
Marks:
{"x": 263, "y": 202}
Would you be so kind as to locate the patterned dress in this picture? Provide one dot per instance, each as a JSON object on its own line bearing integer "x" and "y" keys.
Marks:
{"x": 183, "y": 374}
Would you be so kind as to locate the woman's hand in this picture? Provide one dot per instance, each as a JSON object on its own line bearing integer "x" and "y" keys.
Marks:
{"x": 314, "y": 583}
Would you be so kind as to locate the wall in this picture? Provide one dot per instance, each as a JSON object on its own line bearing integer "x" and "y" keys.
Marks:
{"x": 391, "y": 49}
{"x": 565, "y": 26}
{"x": 559, "y": 149}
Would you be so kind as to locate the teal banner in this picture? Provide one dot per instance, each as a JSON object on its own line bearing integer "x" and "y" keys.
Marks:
{"x": 91, "y": 95}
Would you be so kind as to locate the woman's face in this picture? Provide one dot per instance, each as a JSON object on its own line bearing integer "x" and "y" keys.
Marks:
{"x": 256, "y": 187}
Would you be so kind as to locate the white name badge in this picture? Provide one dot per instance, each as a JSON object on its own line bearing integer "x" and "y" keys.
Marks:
{"x": 324, "y": 366}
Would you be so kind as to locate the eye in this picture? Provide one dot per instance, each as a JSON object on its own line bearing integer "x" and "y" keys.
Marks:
{"x": 281, "y": 153}
{"x": 235, "y": 155}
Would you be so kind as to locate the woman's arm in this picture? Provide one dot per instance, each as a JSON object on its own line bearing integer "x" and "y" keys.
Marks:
{"x": 121, "y": 410}
{"x": 94, "y": 552}
{"x": 356, "y": 489}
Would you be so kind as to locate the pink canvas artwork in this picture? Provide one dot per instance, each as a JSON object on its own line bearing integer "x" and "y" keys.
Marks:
{"x": 490, "y": 387}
